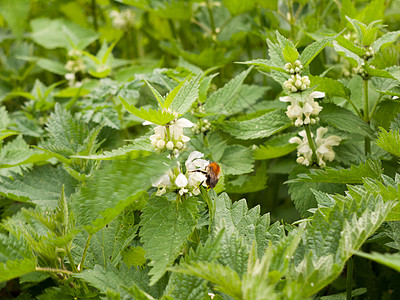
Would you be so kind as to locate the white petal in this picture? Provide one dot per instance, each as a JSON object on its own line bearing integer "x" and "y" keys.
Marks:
{"x": 286, "y": 99}
{"x": 181, "y": 180}
{"x": 295, "y": 140}
{"x": 317, "y": 95}
{"x": 164, "y": 180}
{"x": 160, "y": 131}
{"x": 184, "y": 123}
{"x": 192, "y": 156}
{"x": 147, "y": 123}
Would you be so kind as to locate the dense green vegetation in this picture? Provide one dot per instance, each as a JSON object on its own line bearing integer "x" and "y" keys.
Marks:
{"x": 111, "y": 113}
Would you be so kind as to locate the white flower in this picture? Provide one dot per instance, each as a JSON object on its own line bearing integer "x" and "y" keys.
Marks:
{"x": 170, "y": 145}
{"x": 304, "y": 151}
{"x": 181, "y": 182}
{"x": 296, "y": 83}
{"x": 163, "y": 182}
{"x": 194, "y": 162}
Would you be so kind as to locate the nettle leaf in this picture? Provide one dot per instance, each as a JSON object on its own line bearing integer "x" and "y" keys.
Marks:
{"x": 353, "y": 48}
{"x": 276, "y": 147}
{"x": 330, "y": 86}
{"x": 183, "y": 286}
{"x": 352, "y": 57}
{"x": 113, "y": 188}
{"x": 387, "y": 38}
{"x": 264, "y": 64}
{"x": 16, "y": 258}
{"x": 186, "y": 95}
{"x": 165, "y": 227}
{"x": 392, "y": 260}
{"x": 312, "y": 50}
{"x": 389, "y": 141}
{"x": 388, "y": 86}
{"x": 159, "y": 117}
{"x": 290, "y": 54}
{"x": 136, "y": 148}
{"x": 237, "y": 160}
{"x": 223, "y": 99}
{"x": 111, "y": 278}
{"x": 386, "y": 113}
{"x": 106, "y": 245}
{"x": 134, "y": 256}
{"x": 41, "y": 186}
{"x": 354, "y": 175}
{"x": 260, "y": 127}
{"x": 345, "y": 120}
{"x": 333, "y": 236}
{"x": 249, "y": 183}
{"x": 302, "y": 192}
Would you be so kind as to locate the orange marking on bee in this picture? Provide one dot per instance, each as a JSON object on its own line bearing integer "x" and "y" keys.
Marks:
{"x": 213, "y": 171}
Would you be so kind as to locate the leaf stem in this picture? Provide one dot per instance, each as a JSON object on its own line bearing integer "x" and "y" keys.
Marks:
{"x": 310, "y": 140}
{"x": 355, "y": 108}
{"x": 367, "y": 141}
{"x": 375, "y": 106}
{"x": 71, "y": 260}
{"x": 81, "y": 265}
{"x": 349, "y": 280}
{"x": 39, "y": 269}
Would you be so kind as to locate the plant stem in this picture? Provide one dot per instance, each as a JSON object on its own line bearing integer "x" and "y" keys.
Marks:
{"x": 310, "y": 140}
{"x": 39, "y": 269}
{"x": 375, "y": 106}
{"x": 81, "y": 265}
{"x": 71, "y": 260}
{"x": 349, "y": 280}
{"x": 355, "y": 108}
{"x": 210, "y": 12}
{"x": 94, "y": 13}
{"x": 367, "y": 141}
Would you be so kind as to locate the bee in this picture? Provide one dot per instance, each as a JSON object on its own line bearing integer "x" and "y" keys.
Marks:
{"x": 213, "y": 171}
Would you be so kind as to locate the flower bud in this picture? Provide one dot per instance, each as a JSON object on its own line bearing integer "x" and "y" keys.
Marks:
{"x": 170, "y": 145}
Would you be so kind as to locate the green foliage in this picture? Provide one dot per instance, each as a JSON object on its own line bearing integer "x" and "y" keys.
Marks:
{"x": 96, "y": 205}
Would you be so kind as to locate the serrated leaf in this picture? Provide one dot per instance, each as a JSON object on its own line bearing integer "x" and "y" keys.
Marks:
{"x": 16, "y": 259}
{"x": 41, "y": 186}
{"x": 330, "y": 86}
{"x": 113, "y": 188}
{"x": 389, "y": 141}
{"x": 354, "y": 175}
{"x": 237, "y": 160}
{"x": 131, "y": 151}
{"x": 312, "y": 50}
{"x": 15, "y": 152}
{"x": 276, "y": 147}
{"x": 260, "y": 127}
{"x": 345, "y": 120}
{"x": 387, "y": 38}
{"x": 264, "y": 64}
{"x": 223, "y": 99}
{"x": 249, "y": 183}
{"x": 392, "y": 260}
{"x": 359, "y": 51}
{"x": 159, "y": 97}
{"x": 159, "y": 117}
{"x": 134, "y": 256}
{"x": 353, "y": 58}
{"x": 107, "y": 245}
{"x": 185, "y": 97}
{"x": 290, "y": 54}
{"x": 165, "y": 227}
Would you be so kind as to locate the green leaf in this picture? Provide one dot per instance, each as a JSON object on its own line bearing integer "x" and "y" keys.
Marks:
{"x": 159, "y": 117}
{"x": 159, "y": 97}
{"x": 134, "y": 256}
{"x": 312, "y": 50}
{"x": 221, "y": 101}
{"x": 264, "y": 64}
{"x": 113, "y": 188}
{"x": 131, "y": 151}
{"x": 249, "y": 183}
{"x": 385, "y": 39}
{"x": 386, "y": 113}
{"x": 16, "y": 259}
{"x": 41, "y": 186}
{"x": 302, "y": 194}
{"x": 345, "y": 120}
{"x": 237, "y": 160}
{"x": 352, "y": 57}
{"x": 15, "y": 152}
{"x": 185, "y": 96}
{"x": 389, "y": 141}
{"x": 12, "y": 12}
{"x": 354, "y": 175}
{"x": 59, "y": 33}
{"x": 290, "y": 54}
{"x": 237, "y": 7}
{"x": 165, "y": 227}
{"x": 107, "y": 245}
{"x": 276, "y": 147}
{"x": 260, "y": 127}
{"x": 330, "y": 86}
{"x": 350, "y": 46}
{"x": 392, "y": 260}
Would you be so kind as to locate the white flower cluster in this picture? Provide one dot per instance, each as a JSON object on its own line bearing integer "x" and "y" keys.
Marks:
{"x": 369, "y": 53}
{"x": 294, "y": 68}
{"x": 297, "y": 83}
{"x": 170, "y": 136}
{"x": 202, "y": 127}
{"x": 324, "y": 146}
{"x": 303, "y": 112}
{"x": 122, "y": 20}
{"x": 360, "y": 70}
{"x": 75, "y": 62}
{"x": 184, "y": 183}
